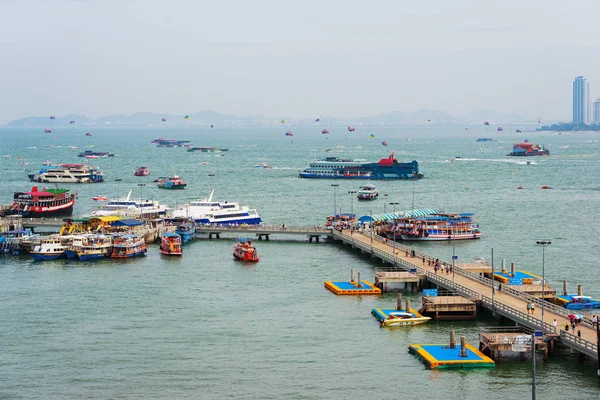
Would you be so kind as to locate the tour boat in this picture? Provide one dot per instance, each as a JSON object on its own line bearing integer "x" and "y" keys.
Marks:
{"x": 243, "y": 250}
{"x": 527, "y": 149}
{"x": 210, "y": 211}
{"x": 45, "y": 203}
{"x": 160, "y": 142}
{"x": 436, "y": 227}
{"x": 49, "y": 249}
{"x": 398, "y": 317}
{"x": 94, "y": 247}
{"x": 170, "y": 244}
{"x": 128, "y": 207}
{"x": 367, "y": 192}
{"x": 344, "y": 220}
{"x": 127, "y": 246}
{"x": 187, "y": 231}
{"x": 175, "y": 182}
{"x": 344, "y": 168}
{"x": 96, "y": 154}
{"x": 68, "y": 173}
{"x": 142, "y": 171}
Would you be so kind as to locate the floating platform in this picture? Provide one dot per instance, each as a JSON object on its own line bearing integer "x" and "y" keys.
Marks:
{"x": 389, "y": 317}
{"x": 517, "y": 278}
{"x": 441, "y": 356}
{"x": 351, "y": 288}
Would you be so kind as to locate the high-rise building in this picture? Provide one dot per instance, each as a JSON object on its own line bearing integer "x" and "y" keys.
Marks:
{"x": 597, "y": 111}
{"x": 581, "y": 100}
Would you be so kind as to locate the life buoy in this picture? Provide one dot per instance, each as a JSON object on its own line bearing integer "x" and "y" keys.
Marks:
{"x": 426, "y": 234}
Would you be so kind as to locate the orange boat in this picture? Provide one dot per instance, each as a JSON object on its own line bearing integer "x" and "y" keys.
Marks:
{"x": 243, "y": 250}
{"x": 170, "y": 244}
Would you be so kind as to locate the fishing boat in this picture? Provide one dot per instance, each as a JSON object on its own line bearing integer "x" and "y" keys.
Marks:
{"x": 367, "y": 192}
{"x": 94, "y": 247}
{"x": 68, "y": 173}
{"x": 127, "y": 246}
{"x": 174, "y": 182}
{"x": 187, "y": 231}
{"x": 170, "y": 244}
{"x": 398, "y": 317}
{"x": 527, "y": 149}
{"x": 576, "y": 302}
{"x": 436, "y": 227}
{"x": 49, "y": 249}
{"x": 206, "y": 149}
{"x": 44, "y": 203}
{"x": 243, "y": 250}
{"x": 142, "y": 171}
{"x": 210, "y": 211}
{"x": 345, "y": 168}
{"x": 128, "y": 207}
{"x": 96, "y": 154}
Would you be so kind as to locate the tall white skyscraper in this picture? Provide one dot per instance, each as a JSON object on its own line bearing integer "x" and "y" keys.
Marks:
{"x": 581, "y": 101}
{"x": 597, "y": 111}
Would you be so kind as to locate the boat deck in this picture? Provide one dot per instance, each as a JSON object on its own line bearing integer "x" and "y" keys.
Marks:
{"x": 440, "y": 356}
{"x": 351, "y": 288}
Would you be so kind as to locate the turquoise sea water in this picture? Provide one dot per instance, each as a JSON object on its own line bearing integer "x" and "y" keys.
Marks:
{"x": 205, "y": 326}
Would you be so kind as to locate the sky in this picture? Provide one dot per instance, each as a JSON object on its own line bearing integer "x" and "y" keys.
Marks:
{"x": 295, "y": 59}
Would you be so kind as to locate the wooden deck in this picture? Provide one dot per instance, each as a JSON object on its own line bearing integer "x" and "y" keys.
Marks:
{"x": 449, "y": 308}
{"x": 508, "y": 302}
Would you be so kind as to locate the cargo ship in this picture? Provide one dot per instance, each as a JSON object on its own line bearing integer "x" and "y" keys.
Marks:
{"x": 345, "y": 168}
{"x": 526, "y": 149}
{"x": 44, "y": 203}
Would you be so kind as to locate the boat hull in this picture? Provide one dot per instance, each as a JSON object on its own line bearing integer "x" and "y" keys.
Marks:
{"x": 249, "y": 221}
{"x": 47, "y": 256}
{"x": 58, "y": 212}
{"x": 432, "y": 238}
{"x": 582, "y": 306}
{"x": 169, "y": 253}
{"x": 140, "y": 253}
{"x": 92, "y": 257}
{"x": 173, "y": 187}
{"x": 404, "y": 321}
{"x": 246, "y": 259}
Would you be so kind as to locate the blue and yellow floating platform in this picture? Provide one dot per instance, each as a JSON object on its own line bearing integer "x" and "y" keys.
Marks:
{"x": 441, "y": 356}
{"x": 352, "y": 288}
{"x": 389, "y": 317}
{"x": 522, "y": 277}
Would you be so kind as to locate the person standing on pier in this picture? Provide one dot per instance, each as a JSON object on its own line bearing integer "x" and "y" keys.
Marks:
{"x": 532, "y": 308}
{"x": 554, "y": 323}
{"x": 528, "y": 308}
{"x": 566, "y": 327}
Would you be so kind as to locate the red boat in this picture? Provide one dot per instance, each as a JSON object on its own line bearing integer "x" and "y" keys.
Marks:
{"x": 100, "y": 198}
{"x": 47, "y": 203}
{"x": 170, "y": 244}
{"x": 243, "y": 250}
{"x": 142, "y": 171}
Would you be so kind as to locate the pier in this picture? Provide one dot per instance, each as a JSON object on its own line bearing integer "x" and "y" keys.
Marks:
{"x": 507, "y": 302}
{"x": 265, "y": 231}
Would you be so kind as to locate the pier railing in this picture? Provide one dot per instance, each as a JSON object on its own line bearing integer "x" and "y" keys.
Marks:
{"x": 264, "y": 228}
{"x": 582, "y": 345}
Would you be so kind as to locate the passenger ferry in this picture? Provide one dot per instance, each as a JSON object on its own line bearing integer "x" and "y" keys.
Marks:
{"x": 367, "y": 192}
{"x": 527, "y": 149}
{"x": 49, "y": 249}
{"x": 437, "y": 227}
{"x": 187, "y": 231}
{"x": 68, "y": 173}
{"x": 127, "y": 246}
{"x": 142, "y": 171}
{"x": 126, "y": 207}
{"x": 94, "y": 247}
{"x": 345, "y": 168}
{"x": 91, "y": 153}
{"x": 175, "y": 182}
{"x": 170, "y": 244}
{"x": 44, "y": 203}
{"x": 161, "y": 142}
{"x": 344, "y": 220}
{"x": 210, "y": 211}
{"x": 243, "y": 250}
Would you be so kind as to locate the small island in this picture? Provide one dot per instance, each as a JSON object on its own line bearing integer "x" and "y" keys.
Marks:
{"x": 566, "y": 127}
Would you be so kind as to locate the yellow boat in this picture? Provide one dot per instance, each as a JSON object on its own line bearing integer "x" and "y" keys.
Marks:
{"x": 398, "y": 317}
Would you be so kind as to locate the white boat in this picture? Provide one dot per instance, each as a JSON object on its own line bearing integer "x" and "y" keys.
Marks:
{"x": 127, "y": 207}
{"x": 367, "y": 192}
{"x": 49, "y": 249}
{"x": 210, "y": 211}
{"x": 68, "y": 173}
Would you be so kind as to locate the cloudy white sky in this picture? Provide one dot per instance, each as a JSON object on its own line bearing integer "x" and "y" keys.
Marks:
{"x": 294, "y": 58}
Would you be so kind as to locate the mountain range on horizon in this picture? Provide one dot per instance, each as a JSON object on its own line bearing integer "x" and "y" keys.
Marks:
{"x": 206, "y": 118}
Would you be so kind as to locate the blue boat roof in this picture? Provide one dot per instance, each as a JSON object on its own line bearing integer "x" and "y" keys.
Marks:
{"x": 127, "y": 222}
{"x": 170, "y": 234}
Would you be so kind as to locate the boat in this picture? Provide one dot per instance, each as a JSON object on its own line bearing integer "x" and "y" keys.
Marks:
{"x": 343, "y": 220}
{"x": 128, "y": 207}
{"x": 49, "y": 249}
{"x": 96, "y": 154}
{"x": 263, "y": 165}
{"x": 92, "y": 157}
{"x": 160, "y": 142}
{"x": 94, "y": 247}
{"x": 44, "y": 203}
{"x": 68, "y": 173}
{"x": 345, "y": 168}
{"x": 436, "y": 227}
{"x": 100, "y": 197}
{"x": 187, "y": 231}
{"x": 206, "y": 149}
{"x": 484, "y": 139}
{"x": 576, "y": 302}
{"x": 398, "y": 317}
{"x": 210, "y": 211}
{"x": 174, "y": 182}
{"x": 142, "y": 171}
{"x": 527, "y": 149}
{"x": 367, "y": 192}
{"x": 170, "y": 244}
{"x": 127, "y": 246}
{"x": 243, "y": 250}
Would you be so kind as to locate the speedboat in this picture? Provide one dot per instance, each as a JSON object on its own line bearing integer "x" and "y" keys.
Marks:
{"x": 367, "y": 192}
{"x": 210, "y": 211}
{"x": 100, "y": 197}
{"x": 127, "y": 207}
{"x": 398, "y": 317}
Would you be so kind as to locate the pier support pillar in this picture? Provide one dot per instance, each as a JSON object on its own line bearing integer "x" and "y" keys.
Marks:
{"x": 565, "y": 287}
{"x": 310, "y": 239}
{"x": 579, "y": 290}
{"x": 463, "y": 346}
{"x": 407, "y": 305}
{"x": 358, "y": 283}
{"x": 352, "y": 275}
{"x": 317, "y": 239}
{"x": 267, "y": 237}
{"x": 503, "y": 267}
{"x": 218, "y": 236}
{"x": 399, "y": 301}
{"x": 452, "y": 340}
{"x": 512, "y": 269}
{"x": 210, "y": 235}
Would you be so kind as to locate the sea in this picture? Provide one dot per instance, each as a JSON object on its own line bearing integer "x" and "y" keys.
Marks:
{"x": 204, "y": 326}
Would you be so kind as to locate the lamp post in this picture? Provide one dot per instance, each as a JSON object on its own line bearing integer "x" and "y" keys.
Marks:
{"x": 118, "y": 184}
{"x": 384, "y": 195}
{"x": 371, "y": 229}
{"x": 493, "y": 287}
{"x": 394, "y": 204}
{"x": 141, "y": 185}
{"x": 210, "y": 176}
{"x": 543, "y": 243}
{"x": 352, "y": 193}
{"x": 335, "y": 186}
{"x": 414, "y": 178}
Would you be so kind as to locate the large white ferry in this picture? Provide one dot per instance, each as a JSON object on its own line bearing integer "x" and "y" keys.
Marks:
{"x": 210, "y": 211}
{"x": 126, "y": 207}
{"x": 68, "y": 173}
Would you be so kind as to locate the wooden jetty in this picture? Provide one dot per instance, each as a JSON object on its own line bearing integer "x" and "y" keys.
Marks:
{"x": 383, "y": 278}
{"x": 508, "y": 302}
{"x": 494, "y": 341}
{"x": 449, "y": 307}
{"x": 265, "y": 231}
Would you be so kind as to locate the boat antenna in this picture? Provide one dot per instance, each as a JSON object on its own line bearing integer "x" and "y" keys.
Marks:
{"x": 211, "y": 186}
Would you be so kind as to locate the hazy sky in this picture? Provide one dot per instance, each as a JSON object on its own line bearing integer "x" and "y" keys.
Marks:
{"x": 295, "y": 58}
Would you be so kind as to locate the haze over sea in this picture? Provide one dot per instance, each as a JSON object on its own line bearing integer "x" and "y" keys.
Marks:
{"x": 204, "y": 326}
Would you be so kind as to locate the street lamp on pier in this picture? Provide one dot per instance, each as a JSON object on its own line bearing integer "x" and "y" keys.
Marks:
{"x": 210, "y": 176}
{"x": 543, "y": 243}
{"x": 335, "y": 186}
{"x": 141, "y": 185}
{"x": 118, "y": 184}
{"x": 394, "y": 204}
{"x": 352, "y": 193}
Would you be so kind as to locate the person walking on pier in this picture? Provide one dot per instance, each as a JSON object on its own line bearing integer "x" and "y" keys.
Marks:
{"x": 554, "y": 323}
{"x": 594, "y": 320}
{"x": 573, "y": 327}
{"x": 566, "y": 327}
{"x": 528, "y": 308}
{"x": 532, "y": 308}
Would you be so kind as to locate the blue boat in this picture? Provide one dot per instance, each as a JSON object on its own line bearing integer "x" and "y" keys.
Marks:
{"x": 210, "y": 211}
{"x": 345, "y": 168}
{"x": 187, "y": 232}
{"x": 49, "y": 249}
{"x": 574, "y": 302}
